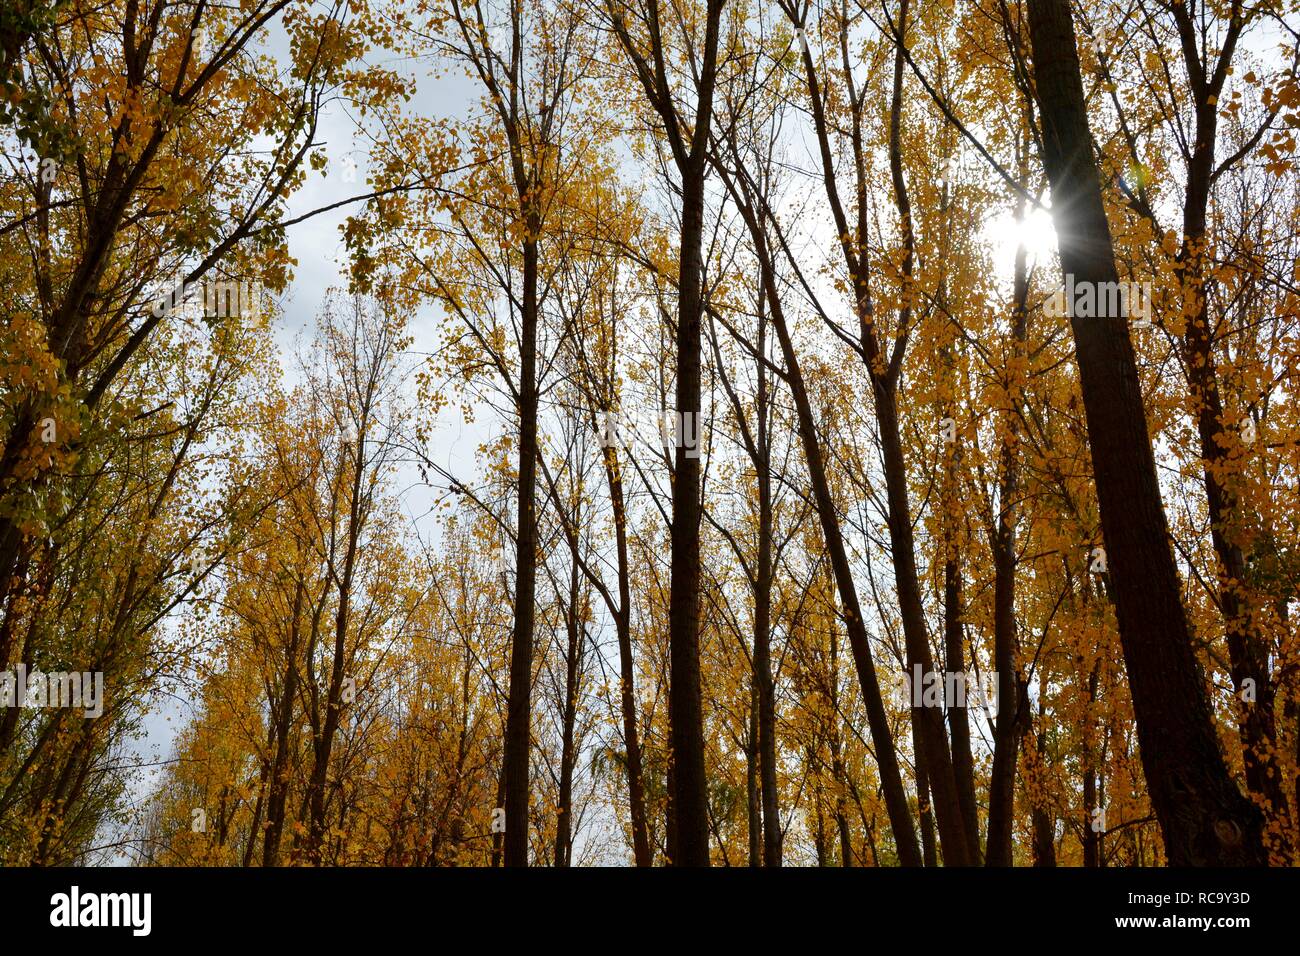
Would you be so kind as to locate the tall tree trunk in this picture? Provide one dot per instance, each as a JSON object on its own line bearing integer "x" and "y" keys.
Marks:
{"x": 1203, "y": 817}
{"x": 927, "y": 722}
{"x": 963, "y": 761}
{"x": 627, "y": 666}
{"x": 283, "y": 715}
{"x": 928, "y": 729}
{"x": 685, "y": 704}
{"x": 1094, "y": 823}
{"x": 1044, "y": 838}
{"x": 838, "y": 772}
{"x": 324, "y": 743}
{"x": 753, "y": 807}
{"x": 686, "y": 708}
{"x": 519, "y": 708}
{"x": 1012, "y": 691}
{"x": 1247, "y": 648}
{"x": 689, "y": 141}
{"x": 928, "y": 849}
{"x": 568, "y": 757}
{"x": 763, "y": 621}
{"x": 895, "y": 795}
{"x": 1043, "y": 816}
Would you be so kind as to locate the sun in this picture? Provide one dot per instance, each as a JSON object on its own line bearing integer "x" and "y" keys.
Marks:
{"x": 1006, "y": 233}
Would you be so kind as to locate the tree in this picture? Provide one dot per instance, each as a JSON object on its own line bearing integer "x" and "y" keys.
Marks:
{"x": 1203, "y": 816}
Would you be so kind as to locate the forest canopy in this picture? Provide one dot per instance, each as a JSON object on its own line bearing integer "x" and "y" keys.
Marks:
{"x": 837, "y": 433}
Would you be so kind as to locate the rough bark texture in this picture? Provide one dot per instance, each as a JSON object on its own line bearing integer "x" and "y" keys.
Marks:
{"x": 1204, "y": 818}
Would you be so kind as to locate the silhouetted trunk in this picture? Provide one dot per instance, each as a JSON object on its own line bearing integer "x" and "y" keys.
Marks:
{"x": 928, "y": 728}
{"x": 324, "y": 743}
{"x": 928, "y": 732}
{"x": 519, "y": 709}
{"x": 689, "y": 142}
{"x": 753, "y": 808}
{"x": 1043, "y": 817}
{"x": 283, "y": 714}
{"x": 895, "y": 795}
{"x": 1012, "y": 692}
{"x": 927, "y": 722}
{"x": 928, "y": 850}
{"x": 963, "y": 762}
{"x": 1247, "y": 647}
{"x": 1044, "y": 837}
{"x": 838, "y": 772}
{"x": 686, "y": 711}
{"x": 842, "y": 825}
{"x": 763, "y": 621}
{"x": 685, "y": 704}
{"x": 1204, "y": 818}
{"x": 877, "y": 720}
{"x": 568, "y": 755}
{"x": 627, "y": 666}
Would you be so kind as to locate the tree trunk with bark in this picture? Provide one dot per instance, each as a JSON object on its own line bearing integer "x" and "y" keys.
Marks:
{"x": 1203, "y": 816}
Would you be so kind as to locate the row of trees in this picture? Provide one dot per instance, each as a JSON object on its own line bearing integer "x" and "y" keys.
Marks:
{"x": 801, "y": 231}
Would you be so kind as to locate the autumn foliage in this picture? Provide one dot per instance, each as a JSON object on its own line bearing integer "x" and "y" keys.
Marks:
{"x": 696, "y": 461}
